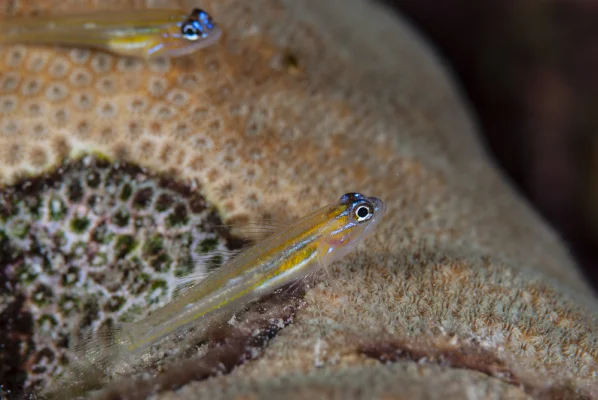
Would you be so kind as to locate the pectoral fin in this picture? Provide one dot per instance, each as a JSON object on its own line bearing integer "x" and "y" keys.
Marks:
{"x": 324, "y": 254}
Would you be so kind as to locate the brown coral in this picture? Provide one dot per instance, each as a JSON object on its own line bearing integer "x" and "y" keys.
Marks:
{"x": 298, "y": 103}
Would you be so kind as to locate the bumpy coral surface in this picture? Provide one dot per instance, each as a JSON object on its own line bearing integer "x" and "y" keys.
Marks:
{"x": 93, "y": 244}
{"x": 299, "y": 103}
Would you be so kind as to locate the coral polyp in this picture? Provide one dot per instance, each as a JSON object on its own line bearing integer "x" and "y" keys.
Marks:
{"x": 91, "y": 244}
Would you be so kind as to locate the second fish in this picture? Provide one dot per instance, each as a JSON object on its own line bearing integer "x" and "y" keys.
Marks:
{"x": 138, "y": 33}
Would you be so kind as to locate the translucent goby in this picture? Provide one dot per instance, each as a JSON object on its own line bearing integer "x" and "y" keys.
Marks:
{"x": 145, "y": 34}
{"x": 290, "y": 253}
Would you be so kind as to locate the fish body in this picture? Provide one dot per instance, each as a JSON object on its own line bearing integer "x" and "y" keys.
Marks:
{"x": 142, "y": 34}
{"x": 296, "y": 251}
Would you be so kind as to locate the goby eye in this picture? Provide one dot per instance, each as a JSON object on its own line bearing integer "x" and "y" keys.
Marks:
{"x": 363, "y": 213}
{"x": 189, "y": 31}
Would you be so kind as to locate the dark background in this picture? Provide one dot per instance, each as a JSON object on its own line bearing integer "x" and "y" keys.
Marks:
{"x": 529, "y": 67}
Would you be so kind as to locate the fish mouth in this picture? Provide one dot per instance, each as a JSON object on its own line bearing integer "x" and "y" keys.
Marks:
{"x": 213, "y": 36}
{"x": 378, "y": 204}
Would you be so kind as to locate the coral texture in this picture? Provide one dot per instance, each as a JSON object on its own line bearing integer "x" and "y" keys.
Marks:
{"x": 97, "y": 244}
{"x": 300, "y": 102}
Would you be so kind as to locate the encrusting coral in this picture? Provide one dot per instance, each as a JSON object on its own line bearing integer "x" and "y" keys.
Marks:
{"x": 298, "y": 103}
{"x": 94, "y": 244}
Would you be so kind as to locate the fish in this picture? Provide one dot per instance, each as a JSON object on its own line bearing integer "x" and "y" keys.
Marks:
{"x": 287, "y": 255}
{"x": 144, "y": 34}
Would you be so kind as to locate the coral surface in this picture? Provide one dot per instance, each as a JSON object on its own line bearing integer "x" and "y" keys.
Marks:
{"x": 92, "y": 245}
{"x": 298, "y": 103}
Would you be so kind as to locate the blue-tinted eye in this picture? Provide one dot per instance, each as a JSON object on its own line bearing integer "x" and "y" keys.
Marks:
{"x": 189, "y": 31}
{"x": 198, "y": 25}
{"x": 192, "y": 30}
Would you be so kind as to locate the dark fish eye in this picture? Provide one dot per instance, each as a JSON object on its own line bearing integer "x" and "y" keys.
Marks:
{"x": 363, "y": 212}
{"x": 198, "y": 25}
{"x": 189, "y": 31}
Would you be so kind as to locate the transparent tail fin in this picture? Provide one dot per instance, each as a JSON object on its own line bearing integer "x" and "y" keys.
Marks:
{"x": 107, "y": 349}
{"x": 93, "y": 360}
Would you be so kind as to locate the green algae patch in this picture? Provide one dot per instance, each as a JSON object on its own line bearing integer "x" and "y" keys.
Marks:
{"x": 126, "y": 192}
{"x": 125, "y": 244}
{"x": 143, "y": 198}
{"x": 79, "y": 225}
{"x": 207, "y": 245}
{"x": 164, "y": 202}
{"x": 161, "y": 263}
{"x": 75, "y": 191}
{"x": 121, "y": 217}
{"x": 20, "y": 228}
{"x": 178, "y": 217}
{"x": 153, "y": 245}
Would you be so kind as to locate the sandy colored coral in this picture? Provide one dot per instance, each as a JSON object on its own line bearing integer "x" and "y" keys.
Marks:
{"x": 395, "y": 382}
{"x": 299, "y": 103}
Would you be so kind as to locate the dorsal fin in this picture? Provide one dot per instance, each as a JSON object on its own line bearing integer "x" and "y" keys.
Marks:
{"x": 202, "y": 264}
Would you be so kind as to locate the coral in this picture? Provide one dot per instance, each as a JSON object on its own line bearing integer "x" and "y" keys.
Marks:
{"x": 395, "y": 382}
{"x": 299, "y": 103}
{"x": 90, "y": 245}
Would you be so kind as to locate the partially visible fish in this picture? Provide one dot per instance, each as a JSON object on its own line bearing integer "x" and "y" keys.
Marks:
{"x": 137, "y": 33}
{"x": 289, "y": 254}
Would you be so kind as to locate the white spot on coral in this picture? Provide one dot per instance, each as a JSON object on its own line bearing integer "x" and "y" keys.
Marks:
{"x": 8, "y": 104}
{"x": 59, "y": 67}
{"x": 31, "y": 86}
{"x": 56, "y": 91}
{"x": 106, "y": 85}
{"x": 15, "y": 56}
{"x": 36, "y": 62}
{"x": 80, "y": 77}
{"x": 320, "y": 350}
{"x": 159, "y": 64}
{"x": 9, "y": 82}
{"x": 79, "y": 55}
{"x": 102, "y": 63}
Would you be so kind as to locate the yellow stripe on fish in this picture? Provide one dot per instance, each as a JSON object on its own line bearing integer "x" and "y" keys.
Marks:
{"x": 137, "y": 33}
{"x": 292, "y": 253}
